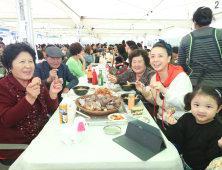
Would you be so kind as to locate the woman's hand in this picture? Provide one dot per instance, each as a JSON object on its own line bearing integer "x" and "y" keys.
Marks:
{"x": 220, "y": 142}
{"x": 33, "y": 90}
{"x": 159, "y": 86}
{"x": 55, "y": 88}
{"x": 139, "y": 86}
{"x": 170, "y": 119}
{"x": 81, "y": 57}
{"x": 36, "y": 80}
{"x": 112, "y": 78}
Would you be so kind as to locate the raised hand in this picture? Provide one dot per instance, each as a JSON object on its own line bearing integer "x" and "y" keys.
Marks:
{"x": 159, "y": 86}
{"x": 112, "y": 78}
{"x": 36, "y": 80}
{"x": 33, "y": 90}
{"x": 170, "y": 119}
{"x": 139, "y": 86}
{"x": 52, "y": 75}
{"x": 56, "y": 86}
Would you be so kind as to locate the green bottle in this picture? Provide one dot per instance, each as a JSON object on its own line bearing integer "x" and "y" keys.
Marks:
{"x": 100, "y": 78}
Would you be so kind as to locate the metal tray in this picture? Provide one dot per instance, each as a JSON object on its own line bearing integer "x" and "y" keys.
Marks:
{"x": 103, "y": 119}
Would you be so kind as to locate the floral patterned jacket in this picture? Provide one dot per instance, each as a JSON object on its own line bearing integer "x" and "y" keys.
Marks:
{"x": 130, "y": 75}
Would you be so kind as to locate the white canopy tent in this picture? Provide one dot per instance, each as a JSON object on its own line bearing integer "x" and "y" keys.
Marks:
{"x": 112, "y": 20}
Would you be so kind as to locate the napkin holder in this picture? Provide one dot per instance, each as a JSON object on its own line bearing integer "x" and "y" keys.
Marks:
{"x": 142, "y": 140}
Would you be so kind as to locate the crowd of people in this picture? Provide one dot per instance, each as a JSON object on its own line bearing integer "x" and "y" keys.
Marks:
{"x": 188, "y": 78}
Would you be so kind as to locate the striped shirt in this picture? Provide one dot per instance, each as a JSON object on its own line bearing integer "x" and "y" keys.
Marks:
{"x": 204, "y": 56}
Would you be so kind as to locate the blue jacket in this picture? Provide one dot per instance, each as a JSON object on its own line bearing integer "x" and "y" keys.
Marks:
{"x": 88, "y": 58}
{"x": 42, "y": 71}
{"x": 99, "y": 49}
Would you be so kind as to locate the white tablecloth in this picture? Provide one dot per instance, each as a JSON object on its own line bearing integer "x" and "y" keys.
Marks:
{"x": 95, "y": 151}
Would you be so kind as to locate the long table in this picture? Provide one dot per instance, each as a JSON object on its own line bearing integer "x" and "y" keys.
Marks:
{"x": 96, "y": 151}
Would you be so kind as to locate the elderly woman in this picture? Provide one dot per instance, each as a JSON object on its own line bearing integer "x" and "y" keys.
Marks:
{"x": 24, "y": 100}
{"x": 88, "y": 55}
{"x": 138, "y": 61}
{"x": 76, "y": 67}
{"x": 168, "y": 86}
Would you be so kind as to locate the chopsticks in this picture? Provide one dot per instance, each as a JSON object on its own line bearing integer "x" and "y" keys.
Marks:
{"x": 79, "y": 112}
{"x": 130, "y": 82}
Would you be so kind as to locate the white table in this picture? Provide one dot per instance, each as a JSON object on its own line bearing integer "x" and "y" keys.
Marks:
{"x": 95, "y": 151}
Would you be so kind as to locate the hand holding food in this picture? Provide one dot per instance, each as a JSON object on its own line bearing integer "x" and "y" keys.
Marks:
{"x": 170, "y": 110}
{"x": 33, "y": 90}
{"x": 56, "y": 86}
{"x": 139, "y": 86}
{"x": 36, "y": 80}
{"x": 52, "y": 75}
{"x": 112, "y": 78}
{"x": 159, "y": 86}
{"x": 170, "y": 119}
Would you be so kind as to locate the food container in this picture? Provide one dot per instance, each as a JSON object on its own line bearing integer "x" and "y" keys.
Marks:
{"x": 63, "y": 113}
{"x": 124, "y": 97}
{"x": 117, "y": 117}
{"x": 81, "y": 90}
{"x": 137, "y": 111}
{"x": 131, "y": 101}
{"x": 126, "y": 87}
{"x": 112, "y": 130}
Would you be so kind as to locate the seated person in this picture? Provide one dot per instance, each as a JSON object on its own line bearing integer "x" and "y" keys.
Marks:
{"x": 121, "y": 52}
{"x": 130, "y": 49}
{"x": 138, "y": 61}
{"x": 168, "y": 86}
{"x": 40, "y": 56}
{"x": 76, "y": 67}
{"x": 67, "y": 53}
{"x": 198, "y": 133}
{"x": 99, "y": 48}
{"x": 51, "y": 68}
{"x": 95, "y": 53}
{"x": 24, "y": 100}
{"x": 88, "y": 55}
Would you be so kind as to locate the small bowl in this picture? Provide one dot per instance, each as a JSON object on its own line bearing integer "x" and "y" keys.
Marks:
{"x": 81, "y": 92}
{"x": 109, "y": 117}
{"x": 112, "y": 130}
{"x": 127, "y": 87}
{"x": 126, "y": 100}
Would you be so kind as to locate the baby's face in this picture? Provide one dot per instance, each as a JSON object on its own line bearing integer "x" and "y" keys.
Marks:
{"x": 203, "y": 108}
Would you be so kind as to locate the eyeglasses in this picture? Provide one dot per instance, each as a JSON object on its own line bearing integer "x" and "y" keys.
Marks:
{"x": 139, "y": 62}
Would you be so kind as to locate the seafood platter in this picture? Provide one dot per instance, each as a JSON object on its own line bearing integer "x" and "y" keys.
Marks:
{"x": 99, "y": 107}
{"x": 99, "y": 104}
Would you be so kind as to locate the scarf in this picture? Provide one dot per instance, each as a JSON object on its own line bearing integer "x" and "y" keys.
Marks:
{"x": 173, "y": 71}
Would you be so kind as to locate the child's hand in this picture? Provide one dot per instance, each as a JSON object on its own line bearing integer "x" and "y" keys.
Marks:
{"x": 170, "y": 119}
{"x": 220, "y": 142}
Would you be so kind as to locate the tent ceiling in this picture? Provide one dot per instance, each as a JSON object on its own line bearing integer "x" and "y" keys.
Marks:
{"x": 106, "y": 18}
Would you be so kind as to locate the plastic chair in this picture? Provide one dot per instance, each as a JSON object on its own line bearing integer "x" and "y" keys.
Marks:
{"x": 8, "y": 147}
